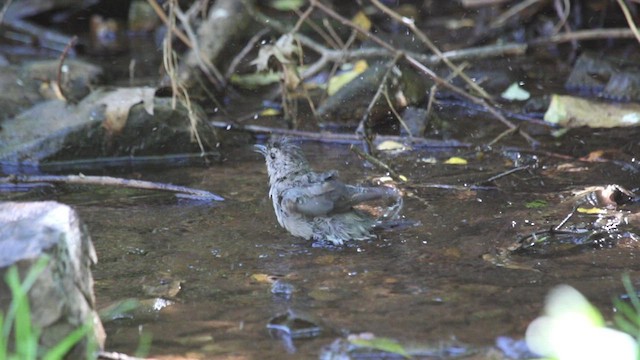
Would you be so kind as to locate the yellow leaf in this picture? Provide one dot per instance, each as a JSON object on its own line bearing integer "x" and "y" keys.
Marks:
{"x": 591, "y": 211}
{"x": 270, "y": 112}
{"x": 340, "y": 80}
{"x": 262, "y": 278}
{"x": 362, "y": 20}
{"x": 456, "y": 161}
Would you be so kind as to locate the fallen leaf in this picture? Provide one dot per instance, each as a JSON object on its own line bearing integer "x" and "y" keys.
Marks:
{"x": 119, "y": 102}
{"x": 456, "y": 161}
{"x": 572, "y": 112}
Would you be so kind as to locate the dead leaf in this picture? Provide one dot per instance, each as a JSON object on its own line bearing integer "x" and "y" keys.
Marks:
{"x": 571, "y": 112}
{"x": 119, "y": 102}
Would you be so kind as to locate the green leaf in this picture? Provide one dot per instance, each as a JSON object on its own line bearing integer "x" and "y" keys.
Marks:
{"x": 536, "y": 204}
{"x": 286, "y": 5}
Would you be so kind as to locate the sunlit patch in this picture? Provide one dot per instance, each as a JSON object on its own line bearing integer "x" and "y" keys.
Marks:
{"x": 572, "y": 328}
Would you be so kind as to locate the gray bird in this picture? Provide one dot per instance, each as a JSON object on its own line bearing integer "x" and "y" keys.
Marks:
{"x": 318, "y": 206}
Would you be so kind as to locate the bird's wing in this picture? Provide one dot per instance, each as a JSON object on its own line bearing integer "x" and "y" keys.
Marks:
{"x": 324, "y": 195}
{"x": 314, "y": 199}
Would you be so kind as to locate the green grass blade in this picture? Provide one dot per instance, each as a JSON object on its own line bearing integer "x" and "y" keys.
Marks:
{"x": 26, "y": 344}
{"x": 63, "y": 347}
{"x": 3, "y": 341}
{"x": 28, "y": 282}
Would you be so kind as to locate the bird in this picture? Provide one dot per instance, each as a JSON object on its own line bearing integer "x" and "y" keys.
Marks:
{"x": 317, "y": 205}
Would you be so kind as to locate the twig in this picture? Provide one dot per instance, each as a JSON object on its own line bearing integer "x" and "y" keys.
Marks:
{"x": 58, "y": 88}
{"x": 422, "y": 68}
{"x": 584, "y": 35}
{"x": 245, "y": 50}
{"x": 563, "y": 13}
{"x": 339, "y": 138}
{"x": 208, "y": 68}
{"x": 501, "y": 135}
{"x": 363, "y": 128}
{"x": 566, "y": 218}
{"x": 5, "y": 7}
{"x": 378, "y": 163}
{"x": 627, "y": 15}
{"x": 505, "y": 173}
{"x": 425, "y": 39}
{"x": 396, "y": 114}
{"x": 304, "y": 17}
{"x": 111, "y": 181}
{"x": 514, "y": 10}
{"x": 163, "y": 17}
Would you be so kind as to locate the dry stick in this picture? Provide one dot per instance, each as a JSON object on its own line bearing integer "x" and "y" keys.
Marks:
{"x": 5, "y": 7}
{"x": 514, "y": 10}
{"x": 363, "y": 129}
{"x": 204, "y": 64}
{"x": 304, "y": 17}
{"x": 378, "y": 163}
{"x": 421, "y": 67}
{"x": 328, "y": 55}
{"x": 434, "y": 87}
{"x": 505, "y": 173}
{"x": 425, "y": 39}
{"x": 63, "y": 56}
{"x": 336, "y": 64}
{"x": 340, "y": 138}
{"x": 245, "y": 50}
{"x": 563, "y": 13}
{"x": 501, "y": 135}
{"x": 163, "y": 17}
{"x": 110, "y": 181}
{"x": 169, "y": 61}
{"x": 584, "y": 35}
{"x": 396, "y": 114}
{"x": 333, "y": 33}
{"x": 627, "y": 15}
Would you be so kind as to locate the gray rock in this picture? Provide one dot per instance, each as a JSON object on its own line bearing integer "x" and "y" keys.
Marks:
{"x": 61, "y": 299}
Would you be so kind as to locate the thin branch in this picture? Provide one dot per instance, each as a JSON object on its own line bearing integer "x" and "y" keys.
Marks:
{"x": 378, "y": 163}
{"x": 59, "y": 89}
{"x": 614, "y": 33}
{"x": 422, "y": 68}
{"x": 627, "y": 15}
{"x": 514, "y": 10}
{"x": 396, "y": 114}
{"x": 4, "y": 9}
{"x": 338, "y": 138}
{"x": 505, "y": 173}
{"x": 245, "y": 50}
{"x": 363, "y": 128}
{"x": 425, "y": 39}
{"x": 163, "y": 17}
{"x": 111, "y": 181}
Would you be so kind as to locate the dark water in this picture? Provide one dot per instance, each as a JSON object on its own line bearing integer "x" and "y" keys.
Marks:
{"x": 428, "y": 284}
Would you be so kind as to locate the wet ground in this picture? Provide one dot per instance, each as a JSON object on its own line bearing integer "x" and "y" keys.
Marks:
{"x": 427, "y": 285}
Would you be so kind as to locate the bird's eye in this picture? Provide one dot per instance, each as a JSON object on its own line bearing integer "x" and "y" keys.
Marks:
{"x": 273, "y": 156}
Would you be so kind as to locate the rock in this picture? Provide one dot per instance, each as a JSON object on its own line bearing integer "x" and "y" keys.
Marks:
{"x": 61, "y": 299}
{"x": 55, "y": 129}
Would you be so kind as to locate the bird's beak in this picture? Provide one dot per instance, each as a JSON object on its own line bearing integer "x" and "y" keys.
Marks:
{"x": 262, "y": 149}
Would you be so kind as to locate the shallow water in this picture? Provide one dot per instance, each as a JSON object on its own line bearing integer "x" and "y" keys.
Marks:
{"x": 426, "y": 284}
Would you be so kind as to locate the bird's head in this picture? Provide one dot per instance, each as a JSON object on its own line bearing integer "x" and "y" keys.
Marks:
{"x": 283, "y": 158}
